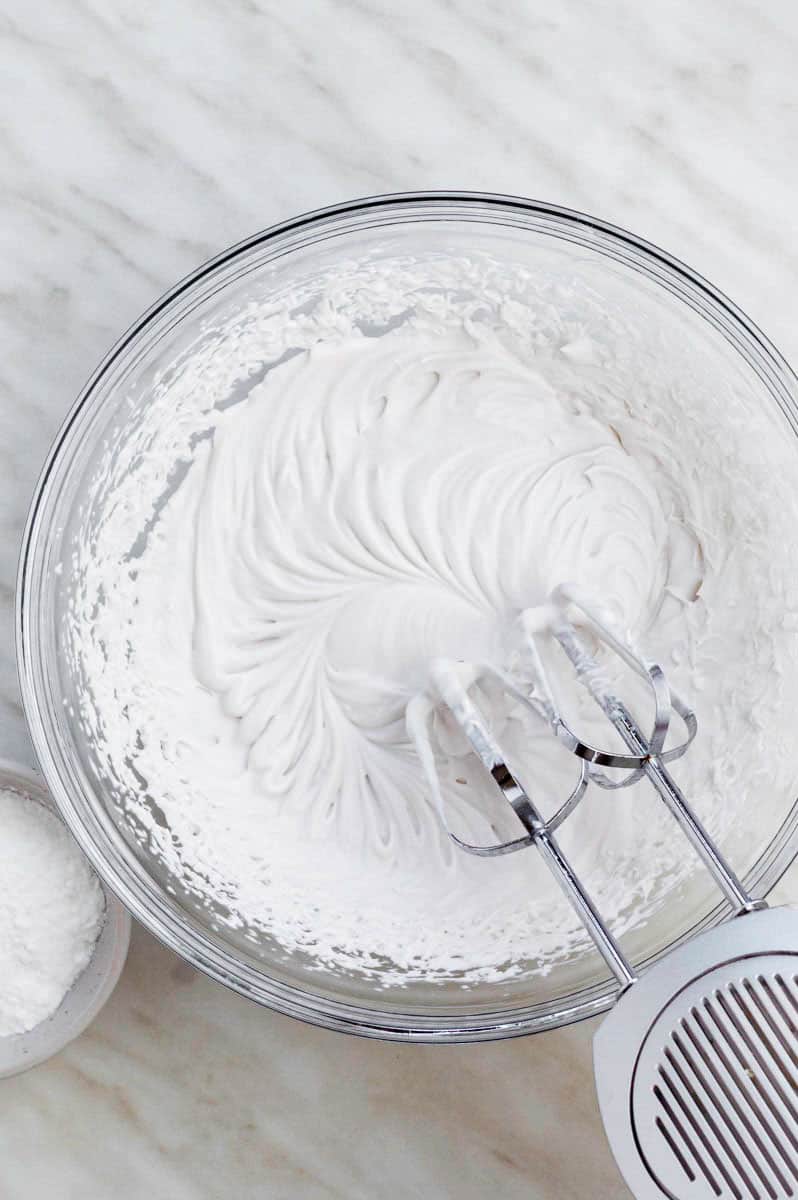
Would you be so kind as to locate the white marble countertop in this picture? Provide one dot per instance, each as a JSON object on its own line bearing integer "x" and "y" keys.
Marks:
{"x": 138, "y": 139}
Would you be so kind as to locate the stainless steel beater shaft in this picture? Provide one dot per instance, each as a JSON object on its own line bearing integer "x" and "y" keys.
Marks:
{"x": 658, "y": 774}
{"x": 540, "y": 832}
{"x": 563, "y": 872}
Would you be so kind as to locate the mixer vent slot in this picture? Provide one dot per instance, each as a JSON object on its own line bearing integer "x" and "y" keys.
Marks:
{"x": 726, "y": 1091}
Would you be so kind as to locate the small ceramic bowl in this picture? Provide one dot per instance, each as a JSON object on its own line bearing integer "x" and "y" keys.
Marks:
{"x": 89, "y": 992}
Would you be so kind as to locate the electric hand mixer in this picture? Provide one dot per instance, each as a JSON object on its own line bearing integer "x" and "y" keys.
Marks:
{"x": 696, "y": 1066}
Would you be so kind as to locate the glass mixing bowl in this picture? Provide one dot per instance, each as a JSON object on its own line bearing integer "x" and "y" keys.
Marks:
{"x": 668, "y": 303}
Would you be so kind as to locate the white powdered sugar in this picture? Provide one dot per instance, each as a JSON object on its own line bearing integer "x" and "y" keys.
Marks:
{"x": 51, "y": 912}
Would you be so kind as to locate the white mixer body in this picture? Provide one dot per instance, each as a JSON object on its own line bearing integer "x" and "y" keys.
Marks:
{"x": 697, "y": 1067}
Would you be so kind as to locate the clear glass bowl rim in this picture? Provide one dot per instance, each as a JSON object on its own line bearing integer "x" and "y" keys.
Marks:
{"x": 164, "y": 921}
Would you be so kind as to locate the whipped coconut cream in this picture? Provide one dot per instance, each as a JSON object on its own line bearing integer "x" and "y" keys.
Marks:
{"x": 333, "y": 490}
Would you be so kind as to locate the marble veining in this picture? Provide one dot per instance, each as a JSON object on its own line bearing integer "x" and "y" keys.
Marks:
{"x": 137, "y": 140}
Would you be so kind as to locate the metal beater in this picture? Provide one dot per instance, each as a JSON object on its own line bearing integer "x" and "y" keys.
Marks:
{"x": 696, "y": 1066}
